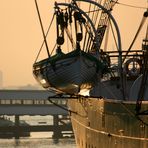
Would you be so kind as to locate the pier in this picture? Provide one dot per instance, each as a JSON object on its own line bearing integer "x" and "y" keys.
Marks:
{"x": 18, "y": 103}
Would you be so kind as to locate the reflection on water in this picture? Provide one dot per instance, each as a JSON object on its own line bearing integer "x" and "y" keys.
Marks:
{"x": 37, "y": 139}
{"x": 37, "y": 143}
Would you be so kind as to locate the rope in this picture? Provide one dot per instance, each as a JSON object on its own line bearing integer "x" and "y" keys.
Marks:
{"x": 137, "y": 33}
{"x": 53, "y": 48}
{"x": 78, "y": 96}
{"x": 113, "y": 34}
{"x": 42, "y": 28}
{"x": 99, "y": 1}
{"x": 107, "y": 37}
{"x": 64, "y": 108}
{"x": 69, "y": 35}
{"x": 132, "y": 6}
{"x": 93, "y": 15}
{"x": 87, "y": 37}
{"x": 133, "y": 114}
{"x": 45, "y": 37}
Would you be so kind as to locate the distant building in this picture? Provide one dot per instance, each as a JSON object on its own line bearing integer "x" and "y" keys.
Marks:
{"x": 1, "y": 79}
{"x": 30, "y": 87}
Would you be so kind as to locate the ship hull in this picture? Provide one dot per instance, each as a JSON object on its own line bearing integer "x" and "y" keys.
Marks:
{"x": 101, "y": 123}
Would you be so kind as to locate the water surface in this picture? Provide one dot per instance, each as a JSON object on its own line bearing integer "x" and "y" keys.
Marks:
{"x": 37, "y": 143}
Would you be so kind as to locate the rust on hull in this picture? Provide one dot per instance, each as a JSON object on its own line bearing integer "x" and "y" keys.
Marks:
{"x": 100, "y": 123}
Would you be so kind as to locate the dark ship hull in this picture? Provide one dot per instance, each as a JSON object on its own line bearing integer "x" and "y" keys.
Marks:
{"x": 101, "y": 123}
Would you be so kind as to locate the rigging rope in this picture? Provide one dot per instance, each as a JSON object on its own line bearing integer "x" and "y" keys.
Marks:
{"x": 137, "y": 33}
{"x": 46, "y": 37}
{"x": 42, "y": 28}
{"x": 86, "y": 34}
{"x": 64, "y": 108}
{"x": 94, "y": 16}
{"x": 107, "y": 36}
{"x": 94, "y": 20}
{"x": 132, "y": 6}
{"x": 113, "y": 34}
{"x": 85, "y": 97}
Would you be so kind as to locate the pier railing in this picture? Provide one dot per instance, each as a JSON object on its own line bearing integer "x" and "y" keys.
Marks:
{"x": 30, "y": 102}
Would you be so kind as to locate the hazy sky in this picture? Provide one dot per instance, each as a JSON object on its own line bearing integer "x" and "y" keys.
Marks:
{"x": 21, "y": 36}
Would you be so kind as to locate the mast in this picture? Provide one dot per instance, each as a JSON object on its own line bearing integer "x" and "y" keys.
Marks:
{"x": 145, "y": 70}
{"x": 104, "y": 20}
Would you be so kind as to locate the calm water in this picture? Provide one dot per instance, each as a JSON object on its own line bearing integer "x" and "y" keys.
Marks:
{"x": 37, "y": 139}
{"x": 37, "y": 143}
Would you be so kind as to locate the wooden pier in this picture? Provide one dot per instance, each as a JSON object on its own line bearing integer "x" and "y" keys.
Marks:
{"x": 18, "y": 103}
{"x": 61, "y": 128}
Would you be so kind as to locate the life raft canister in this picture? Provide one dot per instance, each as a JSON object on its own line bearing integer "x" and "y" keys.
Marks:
{"x": 133, "y": 66}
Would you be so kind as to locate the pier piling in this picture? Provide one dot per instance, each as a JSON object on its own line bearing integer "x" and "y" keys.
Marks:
{"x": 17, "y": 124}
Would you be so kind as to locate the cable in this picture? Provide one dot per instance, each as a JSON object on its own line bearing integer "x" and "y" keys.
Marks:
{"x": 41, "y": 24}
{"x": 136, "y": 35}
{"x": 66, "y": 109}
{"x": 45, "y": 37}
{"x": 135, "y": 115}
{"x": 132, "y": 6}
